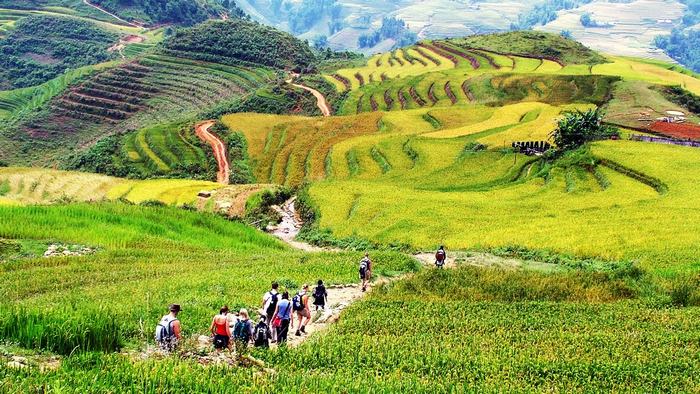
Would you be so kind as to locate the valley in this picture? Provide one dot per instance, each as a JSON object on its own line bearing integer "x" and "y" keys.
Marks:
{"x": 203, "y": 159}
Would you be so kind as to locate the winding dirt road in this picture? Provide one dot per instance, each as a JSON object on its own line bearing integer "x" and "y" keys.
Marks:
{"x": 321, "y": 101}
{"x": 97, "y": 7}
{"x": 202, "y": 131}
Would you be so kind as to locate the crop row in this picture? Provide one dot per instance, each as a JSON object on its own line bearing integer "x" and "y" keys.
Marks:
{"x": 423, "y": 91}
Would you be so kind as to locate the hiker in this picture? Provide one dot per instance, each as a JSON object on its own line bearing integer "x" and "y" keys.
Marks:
{"x": 440, "y": 257}
{"x": 243, "y": 331}
{"x": 168, "y": 329}
{"x": 320, "y": 296}
{"x": 300, "y": 302}
{"x": 221, "y": 330}
{"x": 365, "y": 271}
{"x": 261, "y": 333}
{"x": 283, "y": 318}
{"x": 269, "y": 305}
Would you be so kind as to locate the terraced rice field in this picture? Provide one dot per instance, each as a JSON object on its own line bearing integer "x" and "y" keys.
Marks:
{"x": 153, "y": 90}
{"x": 41, "y": 186}
{"x": 14, "y": 103}
{"x": 163, "y": 148}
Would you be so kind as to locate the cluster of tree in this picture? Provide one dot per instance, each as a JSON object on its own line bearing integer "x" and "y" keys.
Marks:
{"x": 683, "y": 44}
{"x": 393, "y": 28}
{"x": 185, "y": 12}
{"x": 579, "y": 128}
{"x": 43, "y": 47}
{"x": 304, "y": 15}
{"x": 684, "y": 98}
{"x": 544, "y": 13}
{"x": 238, "y": 40}
{"x": 588, "y": 21}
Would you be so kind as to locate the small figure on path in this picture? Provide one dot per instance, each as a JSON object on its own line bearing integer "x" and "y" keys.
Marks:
{"x": 440, "y": 257}
{"x": 365, "y": 271}
{"x": 300, "y": 302}
{"x": 283, "y": 318}
{"x": 243, "y": 331}
{"x": 261, "y": 333}
{"x": 168, "y": 329}
{"x": 269, "y": 305}
{"x": 220, "y": 329}
{"x": 320, "y": 296}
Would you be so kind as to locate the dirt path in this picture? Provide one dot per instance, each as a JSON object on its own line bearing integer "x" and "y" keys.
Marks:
{"x": 111, "y": 14}
{"x": 202, "y": 131}
{"x": 321, "y": 101}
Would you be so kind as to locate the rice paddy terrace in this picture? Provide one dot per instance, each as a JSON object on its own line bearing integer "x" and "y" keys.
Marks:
{"x": 429, "y": 128}
{"x": 591, "y": 284}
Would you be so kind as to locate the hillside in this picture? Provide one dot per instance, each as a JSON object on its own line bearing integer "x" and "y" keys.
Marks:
{"x": 225, "y": 64}
{"x": 40, "y": 48}
{"x": 240, "y": 41}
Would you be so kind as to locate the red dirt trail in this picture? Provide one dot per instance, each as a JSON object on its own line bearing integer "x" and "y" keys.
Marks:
{"x": 202, "y": 131}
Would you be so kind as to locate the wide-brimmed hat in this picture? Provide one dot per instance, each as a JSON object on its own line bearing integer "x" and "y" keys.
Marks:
{"x": 175, "y": 308}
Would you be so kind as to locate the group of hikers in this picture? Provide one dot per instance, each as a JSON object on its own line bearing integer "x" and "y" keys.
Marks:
{"x": 276, "y": 316}
{"x": 231, "y": 330}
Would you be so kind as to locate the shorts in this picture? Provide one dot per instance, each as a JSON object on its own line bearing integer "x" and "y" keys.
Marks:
{"x": 221, "y": 341}
{"x": 304, "y": 313}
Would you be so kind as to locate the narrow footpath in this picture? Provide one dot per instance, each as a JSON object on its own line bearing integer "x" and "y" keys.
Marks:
{"x": 111, "y": 14}
{"x": 202, "y": 131}
{"x": 321, "y": 101}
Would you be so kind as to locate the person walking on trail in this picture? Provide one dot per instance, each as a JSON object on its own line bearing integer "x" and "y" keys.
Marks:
{"x": 261, "y": 333}
{"x": 320, "y": 296}
{"x": 300, "y": 303}
{"x": 365, "y": 271}
{"x": 221, "y": 330}
{"x": 440, "y": 257}
{"x": 283, "y": 318}
{"x": 243, "y": 331}
{"x": 269, "y": 305}
{"x": 168, "y": 330}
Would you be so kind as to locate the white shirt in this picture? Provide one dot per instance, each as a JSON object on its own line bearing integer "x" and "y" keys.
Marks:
{"x": 267, "y": 298}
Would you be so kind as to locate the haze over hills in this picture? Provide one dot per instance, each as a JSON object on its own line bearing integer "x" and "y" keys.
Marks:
{"x": 529, "y": 204}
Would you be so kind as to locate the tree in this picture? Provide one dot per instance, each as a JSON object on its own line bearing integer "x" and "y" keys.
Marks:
{"x": 578, "y": 128}
{"x": 567, "y": 34}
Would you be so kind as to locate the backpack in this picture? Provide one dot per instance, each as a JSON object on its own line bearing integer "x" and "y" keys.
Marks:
{"x": 273, "y": 304}
{"x": 261, "y": 334}
{"x": 363, "y": 267}
{"x": 164, "y": 329}
{"x": 297, "y": 304}
{"x": 241, "y": 331}
{"x": 319, "y": 292}
{"x": 440, "y": 256}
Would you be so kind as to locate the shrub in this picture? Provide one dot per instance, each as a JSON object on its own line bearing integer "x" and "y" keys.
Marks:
{"x": 578, "y": 128}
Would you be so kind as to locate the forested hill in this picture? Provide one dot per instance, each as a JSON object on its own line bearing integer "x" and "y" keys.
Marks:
{"x": 187, "y": 12}
{"x": 239, "y": 41}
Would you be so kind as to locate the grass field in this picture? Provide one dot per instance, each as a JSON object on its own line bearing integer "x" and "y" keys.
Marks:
{"x": 34, "y": 185}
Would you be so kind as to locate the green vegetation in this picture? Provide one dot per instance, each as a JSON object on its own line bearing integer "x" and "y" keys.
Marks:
{"x": 150, "y": 245}
{"x": 682, "y": 43}
{"x": 238, "y": 41}
{"x": 684, "y": 98}
{"x": 536, "y": 44}
{"x": 391, "y": 28}
{"x": 579, "y": 128}
{"x": 41, "y": 48}
{"x": 161, "y": 11}
{"x": 545, "y": 12}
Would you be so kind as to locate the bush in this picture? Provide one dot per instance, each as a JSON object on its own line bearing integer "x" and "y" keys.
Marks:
{"x": 578, "y": 128}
